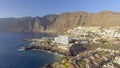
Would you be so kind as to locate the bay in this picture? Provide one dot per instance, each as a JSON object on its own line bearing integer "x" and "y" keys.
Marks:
{"x": 11, "y": 57}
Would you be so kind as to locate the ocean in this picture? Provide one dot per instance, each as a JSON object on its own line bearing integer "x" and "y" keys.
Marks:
{"x": 11, "y": 57}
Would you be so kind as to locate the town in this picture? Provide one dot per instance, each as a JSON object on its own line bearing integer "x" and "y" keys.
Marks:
{"x": 105, "y": 44}
{"x": 96, "y": 34}
{"x": 98, "y": 58}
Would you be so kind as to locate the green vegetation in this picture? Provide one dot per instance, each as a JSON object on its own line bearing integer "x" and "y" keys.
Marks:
{"x": 64, "y": 62}
{"x": 103, "y": 41}
{"x": 83, "y": 64}
{"x": 102, "y": 53}
{"x": 99, "y": 61}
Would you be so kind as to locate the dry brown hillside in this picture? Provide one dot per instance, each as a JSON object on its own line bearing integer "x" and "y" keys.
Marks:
{"x": 70, "y": 20}
{"x": 60, "y": 23}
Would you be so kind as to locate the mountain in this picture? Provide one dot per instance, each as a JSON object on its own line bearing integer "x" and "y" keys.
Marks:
{"x": 60, "y": 23}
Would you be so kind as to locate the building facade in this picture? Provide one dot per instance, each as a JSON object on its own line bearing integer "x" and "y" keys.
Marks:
{"x": 62, "y": 40}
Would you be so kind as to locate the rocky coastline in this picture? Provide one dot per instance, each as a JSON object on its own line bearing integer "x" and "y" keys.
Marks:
{"x": 52, "y": 49}
{"x": 72, "y": 54}
{"x": 39, "y": 45}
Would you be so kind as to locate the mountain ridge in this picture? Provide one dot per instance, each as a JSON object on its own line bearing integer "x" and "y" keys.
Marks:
{"x": 61, "y": 22}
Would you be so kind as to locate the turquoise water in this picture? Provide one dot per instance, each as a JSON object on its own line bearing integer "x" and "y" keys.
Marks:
{"x": 10, "y": 57}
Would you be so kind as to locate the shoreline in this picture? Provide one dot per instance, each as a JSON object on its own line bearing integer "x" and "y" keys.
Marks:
{"x": 54, "y": 50}
{"x": 48, "y": 49}
{"x": 49, "y": 52}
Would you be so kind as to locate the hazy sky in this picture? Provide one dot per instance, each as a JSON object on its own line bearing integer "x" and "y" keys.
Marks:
{"x": 20, "y": 8}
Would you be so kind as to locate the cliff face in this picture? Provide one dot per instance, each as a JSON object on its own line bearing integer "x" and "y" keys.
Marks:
{"x": 60, "y": 23}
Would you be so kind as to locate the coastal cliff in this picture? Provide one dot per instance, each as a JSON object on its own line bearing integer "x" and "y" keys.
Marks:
{"x": 53, "y": 23}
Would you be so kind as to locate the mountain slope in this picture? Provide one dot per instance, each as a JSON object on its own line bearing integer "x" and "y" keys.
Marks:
{"x": 60, "y": 23}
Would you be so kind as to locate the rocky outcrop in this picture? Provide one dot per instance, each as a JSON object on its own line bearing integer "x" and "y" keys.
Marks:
{"x": 53, "y": 49}
{"x": 76, "y": 49}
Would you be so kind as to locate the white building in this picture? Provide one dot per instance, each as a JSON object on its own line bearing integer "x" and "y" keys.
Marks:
{"x": 62, "y": 40}
{"x": 117, "y": 60}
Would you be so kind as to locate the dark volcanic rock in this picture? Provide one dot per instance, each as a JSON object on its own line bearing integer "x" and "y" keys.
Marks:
{"x": 53, "y": 49}
{"x": 75, "y": 49}
{"x": 48, "y": 66}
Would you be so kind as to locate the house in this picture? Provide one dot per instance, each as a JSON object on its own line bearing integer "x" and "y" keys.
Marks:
{"x": 117, "y": 60}
{"x": 83, "y": 41}
{"x": 96, "y": 40}
{"x": 109, "y": 65}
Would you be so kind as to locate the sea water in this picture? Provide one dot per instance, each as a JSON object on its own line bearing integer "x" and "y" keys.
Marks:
{"x": 11, "y": 57}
